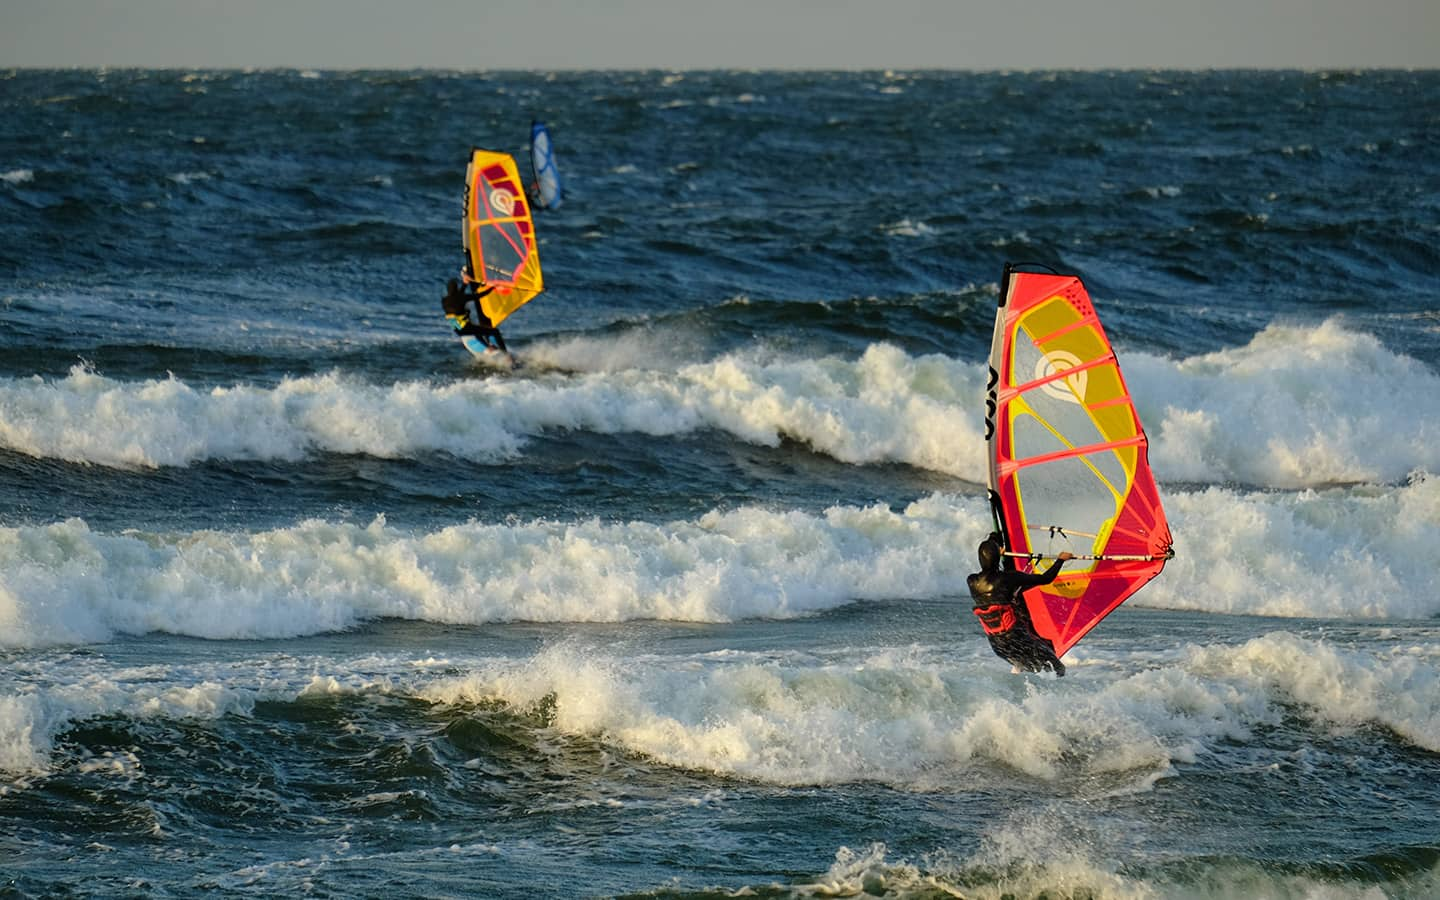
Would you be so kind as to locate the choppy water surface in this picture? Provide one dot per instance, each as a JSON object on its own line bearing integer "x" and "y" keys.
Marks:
{"x": 294, "y": 598}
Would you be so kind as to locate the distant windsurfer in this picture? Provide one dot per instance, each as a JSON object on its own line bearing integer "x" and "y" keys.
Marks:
{"x": 462, "y": 308}
{"x": 996, "y": 590}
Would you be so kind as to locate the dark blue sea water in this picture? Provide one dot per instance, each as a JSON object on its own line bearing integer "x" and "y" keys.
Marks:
{"x": 297, "y": 599}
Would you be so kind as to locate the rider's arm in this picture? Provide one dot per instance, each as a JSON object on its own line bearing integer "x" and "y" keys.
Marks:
{"x": 1027, "y": 579}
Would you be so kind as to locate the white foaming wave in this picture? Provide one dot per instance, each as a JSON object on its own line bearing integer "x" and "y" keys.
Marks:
{"x": 884, "y": 719}
{"x": 18, "y": 176}
{"x": 87, "y": 417}
{"x": 891, "y": 703}
{"x": 1296, "y": 407}
{"x": 926, "y": 718}
{"x": 1335, "y": 686}
{"x": 1335, "y": 554}
{"x": 1056, "y": 852}
{"x": 630, "y": 349}
{"x": 917, "y": 718}
{"x": 31, "y": 719}
{"x": 1045, "y": 854}
{"x": 1340, "y": 553}
{"x": 884, "y": 407}
{"x": 63, "y": 583}
{"x": 42, "y": 696}
{"x": 1037, "y": 859}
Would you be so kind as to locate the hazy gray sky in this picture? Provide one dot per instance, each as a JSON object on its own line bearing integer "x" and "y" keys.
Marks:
{"x": 690, "y": 34}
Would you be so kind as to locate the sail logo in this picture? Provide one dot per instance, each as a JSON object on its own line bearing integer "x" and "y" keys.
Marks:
{"x": 990, "y": 400}
{"x": 502, "y": 201}
{"x": 1071, "y": 388}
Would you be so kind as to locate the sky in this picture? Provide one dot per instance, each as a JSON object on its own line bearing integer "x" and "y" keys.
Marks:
{"x": 721, "y": 34}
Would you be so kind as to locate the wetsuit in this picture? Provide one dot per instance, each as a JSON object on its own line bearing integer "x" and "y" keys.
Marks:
{"x": 1006, "y": 620}
{"x": 463, "y": 311}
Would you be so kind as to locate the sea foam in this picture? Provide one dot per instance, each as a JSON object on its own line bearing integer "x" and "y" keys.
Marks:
{"x": 64, "y": 583}
{"x": 918, "y": 719}
{"x": 1343, "y": 553}
{"x": 1336, "y": 553}
{"x": 1296, "y": 407}
{"x": 914, "y": 717}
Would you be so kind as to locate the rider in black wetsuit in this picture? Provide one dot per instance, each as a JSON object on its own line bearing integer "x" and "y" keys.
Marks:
{"x": 466, "y": 317}
{"x": 996, "y": 592}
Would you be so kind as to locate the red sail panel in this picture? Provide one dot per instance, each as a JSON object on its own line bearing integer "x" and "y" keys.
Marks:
{"x": 1068, "y": 457}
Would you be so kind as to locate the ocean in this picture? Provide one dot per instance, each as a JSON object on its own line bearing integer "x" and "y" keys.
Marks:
{"x": 296, "y": 599}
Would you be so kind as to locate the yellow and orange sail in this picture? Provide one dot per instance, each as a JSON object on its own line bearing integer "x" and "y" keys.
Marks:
{"x": 1068, "y": 456}
{"x": 500, "y": 244}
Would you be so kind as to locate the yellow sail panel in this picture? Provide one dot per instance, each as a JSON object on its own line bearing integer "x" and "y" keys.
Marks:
{"x": 499, "y": 235}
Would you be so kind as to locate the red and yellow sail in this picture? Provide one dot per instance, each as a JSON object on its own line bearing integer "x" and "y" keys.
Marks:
{"x": 499, "y": 235}
{"x": 1068, "y": 456}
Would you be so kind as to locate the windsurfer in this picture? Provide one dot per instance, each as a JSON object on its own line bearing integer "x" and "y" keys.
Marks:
{"x": 462, "y": 308}
{"x": 996, "y": 590}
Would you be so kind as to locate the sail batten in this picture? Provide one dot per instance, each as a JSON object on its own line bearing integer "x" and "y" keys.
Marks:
{"x": 1066, "y": 446}
{"x": 1011, "y": 465}
{"x": 1064, "y": 373}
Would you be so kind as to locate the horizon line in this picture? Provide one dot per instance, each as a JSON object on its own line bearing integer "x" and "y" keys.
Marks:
{"x": 883, "y": 70}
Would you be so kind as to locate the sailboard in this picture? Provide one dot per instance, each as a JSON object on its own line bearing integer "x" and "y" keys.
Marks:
{"x": 1069, "y": 467}
{"x": 500, "y": 245}
{"x": 548, "y": 190}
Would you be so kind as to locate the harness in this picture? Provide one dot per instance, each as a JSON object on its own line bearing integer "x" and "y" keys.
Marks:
{"x": 997, "y": 618}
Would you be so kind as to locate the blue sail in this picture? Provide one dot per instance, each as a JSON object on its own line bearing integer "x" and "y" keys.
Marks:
{"x": 548, "y": 191}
